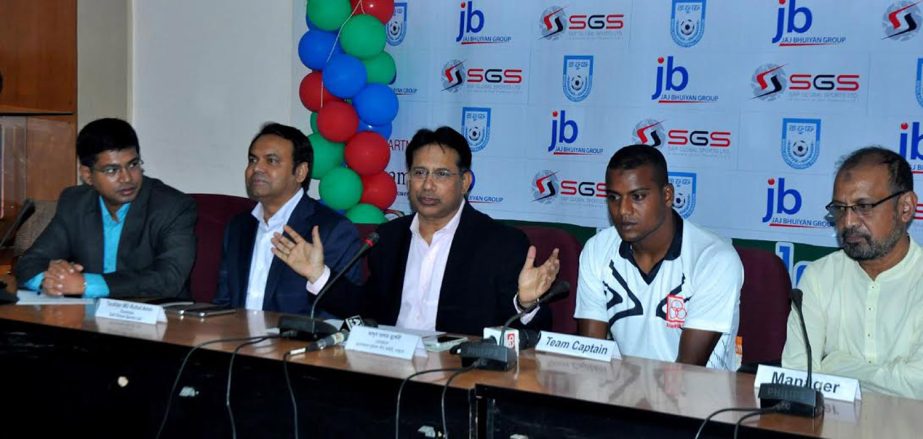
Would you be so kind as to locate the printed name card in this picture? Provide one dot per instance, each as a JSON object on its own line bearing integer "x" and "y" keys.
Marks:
{"x": 383, "y": 342}
{"x": 832, "y": 387}
{"x": 577, "y": 346}
{"x": 130, "y": 311}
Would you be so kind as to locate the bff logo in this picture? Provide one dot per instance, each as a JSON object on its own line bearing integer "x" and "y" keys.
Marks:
{"x": 476, "y": 127}
{"x": 684, "y": 191}
{"x": 687, "y": 22}
{"x": 901, "y": 21}
{"x": 578, "y": 76}
{"x": 800, "y": 142}
{"x": 396, "y": 29}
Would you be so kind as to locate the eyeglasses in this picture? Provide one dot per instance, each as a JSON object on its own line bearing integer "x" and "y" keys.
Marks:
{"x": 838, "y": 211}
{"x": 439, "y": 175}
{"x": 113, "y": 171}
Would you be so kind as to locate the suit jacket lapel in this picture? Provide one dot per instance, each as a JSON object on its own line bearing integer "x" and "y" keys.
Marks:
{"x": 298, "y": 220}
{"x": 93, "y": 227}
{"x": 134, "y": 224}
{"x": 451, "y": 293}
{"x": 245, "y": 252}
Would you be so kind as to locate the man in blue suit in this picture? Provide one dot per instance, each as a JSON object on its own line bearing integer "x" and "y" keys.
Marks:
{"x": 280, "y": 161}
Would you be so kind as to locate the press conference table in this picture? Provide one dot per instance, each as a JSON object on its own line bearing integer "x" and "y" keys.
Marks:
{"x": 66, "y": 372}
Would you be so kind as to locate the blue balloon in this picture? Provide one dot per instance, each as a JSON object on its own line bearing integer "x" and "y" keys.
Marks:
{"x": 376, "y": 104}
{"x": 344, "y": 76}
{"x": 383, "y": 130}
{"x": 315, "y": 46}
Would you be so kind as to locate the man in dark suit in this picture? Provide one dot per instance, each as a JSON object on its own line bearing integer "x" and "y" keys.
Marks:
{"x": 120, "y": 234}
{"x": 448, "y": 267}
{"x": 278, "y": 172}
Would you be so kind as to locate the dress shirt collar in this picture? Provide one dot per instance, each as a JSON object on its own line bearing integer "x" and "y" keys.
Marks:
{"x": 280, "y": 218}
{"x": 449, "y": 230}
{"x": 120, "y": 213}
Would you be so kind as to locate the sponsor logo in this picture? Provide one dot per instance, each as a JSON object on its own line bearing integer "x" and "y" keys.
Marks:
{"x": 474, "y": 198}
{"x": 578, "y": 76}
{"x": 455, "y": 74}
{"x": 911, "y": 139}
{"x": 687, "y": 22}
{"x": 673, "y": 78}
{"x": 548, "y": 187}
{"x": 786, "y": 252}
{"x": 396, "y": 29}
{"x": 800, "y": 142}
{"x": 564, "y": 134}
{"x": 792, "y": 25}
{"x": 919, "y": 86}
{"x": 783, "y": 205}
{"x": 405, "y": 91}
{"x": 470, "y": 24}
{"x": 683, "y": 141}
{"x": 400, "y": 179}
{"x": 675, "y": 311}
{"x": 771, "y": 81}
{"x": 555, "y": 23}
{"x": 901, "y": 20}
{"x": 476, "y": 127}
{"x": 683, "y": 192}
{"x": 398, "y": 145}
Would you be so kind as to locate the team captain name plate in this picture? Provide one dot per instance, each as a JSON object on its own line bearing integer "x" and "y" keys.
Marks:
{"x": 576, "y": 346}
{"x": 130, "y": 311}
{"x": 833, "y": 387}
{"x": 383, "y": 342}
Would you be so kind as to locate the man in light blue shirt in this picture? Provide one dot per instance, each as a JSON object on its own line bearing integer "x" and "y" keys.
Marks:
{"x": 120, "y": 234}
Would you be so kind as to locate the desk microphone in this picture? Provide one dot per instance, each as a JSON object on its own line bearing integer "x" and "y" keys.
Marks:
{"x": 801, "y": 401}
{"x": 494, "y": 355}
{"x": 310, "y": 328}
{"x": 28, "y": 208}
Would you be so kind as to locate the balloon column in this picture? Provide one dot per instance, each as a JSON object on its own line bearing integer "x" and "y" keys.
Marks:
{"x": 351, "y": 103}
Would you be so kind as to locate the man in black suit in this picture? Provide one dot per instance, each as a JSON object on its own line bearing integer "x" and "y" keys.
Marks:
{"x": 280, "y": 160}
{"x": 120, "y": 234}
{"x": 448, "y": 267}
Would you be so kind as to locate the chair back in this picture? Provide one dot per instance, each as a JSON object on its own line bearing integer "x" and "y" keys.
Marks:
{"x": 764, "y": 306}
{"x": 546, "y": 239}
{"x": 214, "y": 212}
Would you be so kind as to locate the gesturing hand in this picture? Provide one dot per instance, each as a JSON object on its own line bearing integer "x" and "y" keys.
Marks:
{"x": 305, "y": 258}
{"x": 533, "y": 281}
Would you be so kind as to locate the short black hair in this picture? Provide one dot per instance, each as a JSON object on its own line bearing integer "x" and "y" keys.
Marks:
{"x": 635, "y": 156}
{"x": 900, "y": 177}
{"x": 445, "y": 137}
{"x": 302, "y": 151}
{"x": 101, "y": 135}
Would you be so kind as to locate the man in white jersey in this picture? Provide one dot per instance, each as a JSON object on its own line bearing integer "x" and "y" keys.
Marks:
{"x": 663, "y": 288}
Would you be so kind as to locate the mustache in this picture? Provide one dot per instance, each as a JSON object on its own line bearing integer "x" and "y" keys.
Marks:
{"x": 854, "y": 232}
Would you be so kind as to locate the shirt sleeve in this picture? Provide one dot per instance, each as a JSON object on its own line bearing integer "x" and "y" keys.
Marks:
{"x": 714, "y": 295}
{"x": 96, "y": 286}
{"x": 901, "y": 377}
{"x": 528, "y": 317}
{"x": 34, "y": 284}
{"x": 591, "y": 299}
{"x": 315, "y": 287}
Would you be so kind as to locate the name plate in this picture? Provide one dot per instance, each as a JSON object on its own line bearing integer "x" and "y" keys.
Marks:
{"x": 831, "y": 386}
{"x": 577, "y": 346}
{"x": 383, "y": 342}
{"x": 130, "y": 311}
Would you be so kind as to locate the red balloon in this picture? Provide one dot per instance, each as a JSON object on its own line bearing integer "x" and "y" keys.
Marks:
{"x": 337, "y": 121}
{"x": 378, "y": 190}
{"x": 380, "y": 9}
{"x": 313, "y": 93}
{"x": 367, "y": 153}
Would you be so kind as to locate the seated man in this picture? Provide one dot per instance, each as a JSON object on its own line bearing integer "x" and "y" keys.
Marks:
{"x": 278, "y": 173}
{"x": 447, "y": 267}
{"x": 120, "y": 234}
{"x": 859, "y": 301}
{"x": 663, "y": 288}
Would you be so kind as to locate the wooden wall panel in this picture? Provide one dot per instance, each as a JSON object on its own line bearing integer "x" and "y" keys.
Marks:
{"x": 51, "y": 156}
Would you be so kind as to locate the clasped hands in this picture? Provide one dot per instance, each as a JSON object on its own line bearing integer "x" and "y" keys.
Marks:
{"x": 307, "y": 259}
{"x": 62, "y": 278}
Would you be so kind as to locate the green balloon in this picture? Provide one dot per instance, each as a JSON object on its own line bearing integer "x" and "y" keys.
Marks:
{"x": 314, "y": 123}
{"x": 363, "y": 36}
{"x": 328, "y": 14}
{"x": 327, "y": 155}
{"x": 380, "y": 68}
{"x": 341, "y": 188}
{"x": 365, "y": 214}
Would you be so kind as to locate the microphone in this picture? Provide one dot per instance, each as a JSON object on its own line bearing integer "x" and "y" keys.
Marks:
{"x": 328, "y": 341}
{"x": 310, "y": 328}
{"x": 797, "y": 400}
{"x": 491, "y": 355}
{"x": 28, "y": 208}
